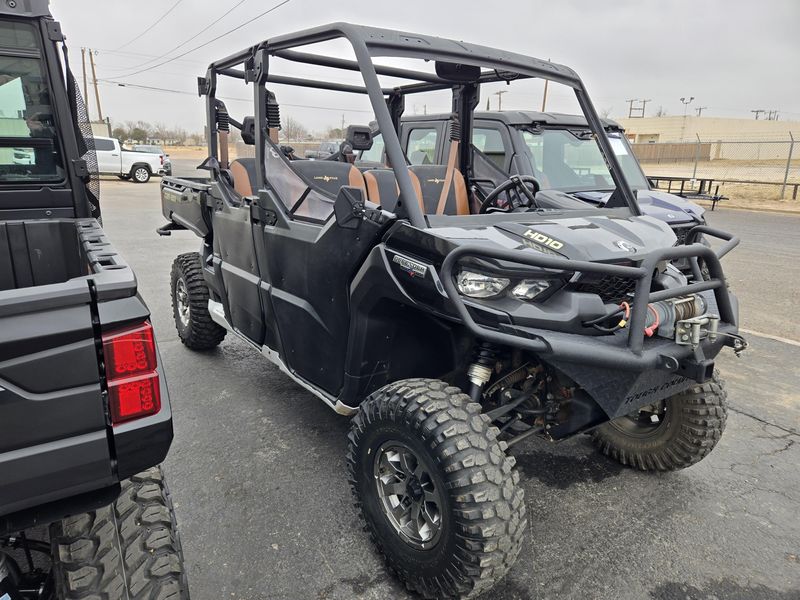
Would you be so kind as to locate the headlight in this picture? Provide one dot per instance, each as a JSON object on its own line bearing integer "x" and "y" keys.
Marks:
{"x": 477, "y": 285}
{"x": 528, "y": 289}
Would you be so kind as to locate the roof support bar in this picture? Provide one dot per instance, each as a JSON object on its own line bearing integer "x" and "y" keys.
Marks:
{"x": 309, "y": 83}
{"x": 349, "y": 65}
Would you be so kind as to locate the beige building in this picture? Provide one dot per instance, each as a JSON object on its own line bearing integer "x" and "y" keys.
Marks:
{"x": 710, "y": 129}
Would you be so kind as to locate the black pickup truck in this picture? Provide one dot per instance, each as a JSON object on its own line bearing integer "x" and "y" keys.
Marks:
{"x": 85, "y": 418}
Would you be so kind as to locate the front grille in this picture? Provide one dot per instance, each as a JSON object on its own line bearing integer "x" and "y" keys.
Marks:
{"x": 611, "y": 288}
{"x": 681, "y": 231}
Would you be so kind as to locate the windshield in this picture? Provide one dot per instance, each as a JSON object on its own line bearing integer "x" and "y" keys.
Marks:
{"x": 571, "y": 160}
{"x": 29, "y": 149}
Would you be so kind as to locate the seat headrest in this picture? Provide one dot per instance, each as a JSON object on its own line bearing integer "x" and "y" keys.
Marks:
{"x": 328, "y": 175}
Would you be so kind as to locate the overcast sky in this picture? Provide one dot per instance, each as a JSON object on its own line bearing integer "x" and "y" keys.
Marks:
{"x": 731, "y": 55}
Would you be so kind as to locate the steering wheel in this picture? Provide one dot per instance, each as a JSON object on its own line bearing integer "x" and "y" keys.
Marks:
{"x": 518, "y": 182}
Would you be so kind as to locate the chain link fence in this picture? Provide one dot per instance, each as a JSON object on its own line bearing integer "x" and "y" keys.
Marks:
{"x": 766, "y": 168}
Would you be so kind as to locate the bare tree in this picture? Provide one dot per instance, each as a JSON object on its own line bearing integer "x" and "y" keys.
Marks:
{"x": 293, "y": 130}
{"x": 606, "y": 112}
{"x": 661, "y": 112}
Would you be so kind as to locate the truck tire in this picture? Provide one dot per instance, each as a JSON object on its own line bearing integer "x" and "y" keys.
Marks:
{"x": 140, "y": 173}
{"x": 688, "y": 426}
{"x": 190, "y": 304}
{"x": 129, "y": 550}
{"x": 455, "y": 525}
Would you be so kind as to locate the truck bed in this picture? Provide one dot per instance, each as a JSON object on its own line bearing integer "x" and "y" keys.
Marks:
{"x": 40, "y": 253}
{"x": 62, "y": 285}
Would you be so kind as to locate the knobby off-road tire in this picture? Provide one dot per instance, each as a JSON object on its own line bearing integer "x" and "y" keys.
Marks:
{"x": 189, "y": 294}
{"x": 129, "y": 550}
{"x": 691, "y": 426}
{"x": 481, "y": 512}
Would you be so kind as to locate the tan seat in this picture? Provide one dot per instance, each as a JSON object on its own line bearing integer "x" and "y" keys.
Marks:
{"x": 243, "y": 172}
{"x": 428, "y": 182}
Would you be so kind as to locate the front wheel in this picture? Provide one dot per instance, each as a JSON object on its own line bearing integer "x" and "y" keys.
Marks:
{"x": 129, "y": 549}
{"x": 436, "y": 489}
{"x": 140, "y": 174}
{"x": 668, "y": 435}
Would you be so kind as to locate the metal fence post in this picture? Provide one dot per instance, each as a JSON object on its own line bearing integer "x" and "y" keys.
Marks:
{"x": 788, "y": 165}
{"x": 696, "y": 157}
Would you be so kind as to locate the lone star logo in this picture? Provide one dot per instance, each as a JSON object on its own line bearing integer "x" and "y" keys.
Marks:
{"x": 326, "y": 178}
{"x": 435, "y": 180}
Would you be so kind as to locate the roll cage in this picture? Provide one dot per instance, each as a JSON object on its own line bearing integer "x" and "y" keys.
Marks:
{"x": 460, "y": 66}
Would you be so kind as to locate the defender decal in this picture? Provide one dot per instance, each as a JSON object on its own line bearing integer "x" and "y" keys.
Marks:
{"x": 543, "y": 239}
{"x": 413, "y": 268}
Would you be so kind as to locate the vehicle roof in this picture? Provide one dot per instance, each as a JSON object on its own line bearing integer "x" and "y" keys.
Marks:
{"x": 390, "y": 42}
{"x": 26, "y": 8}
{"x": 521, "y": 117}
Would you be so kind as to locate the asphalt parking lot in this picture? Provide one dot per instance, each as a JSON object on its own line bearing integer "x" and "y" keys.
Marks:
{"x": 257, "y": 465}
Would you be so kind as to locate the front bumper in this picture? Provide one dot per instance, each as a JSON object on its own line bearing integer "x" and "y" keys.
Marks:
{"x": 624, "y": 351}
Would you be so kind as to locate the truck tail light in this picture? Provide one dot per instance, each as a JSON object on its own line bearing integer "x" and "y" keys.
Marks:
{"x": 161, "y": 156}
{"x": 130, "y": 360}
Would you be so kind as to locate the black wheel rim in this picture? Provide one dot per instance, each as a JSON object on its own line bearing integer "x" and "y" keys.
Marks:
{"x": 408, "y": 495}
{"x": 644, "y": 422}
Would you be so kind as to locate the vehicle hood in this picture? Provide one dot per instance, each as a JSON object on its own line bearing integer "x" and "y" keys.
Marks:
{"x": 592, "y": 238}
{"x": 666, "y": 207}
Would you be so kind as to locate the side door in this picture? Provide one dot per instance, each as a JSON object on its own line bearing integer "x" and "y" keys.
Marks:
{"x": 307, "y": 264}
{"x": 234, "y": 260}
{"x": 108, "y": 155}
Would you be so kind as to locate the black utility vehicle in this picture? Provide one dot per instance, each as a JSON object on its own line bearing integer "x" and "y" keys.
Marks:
{"x": 451, "y": 334}
{"x": 84, "y": 411}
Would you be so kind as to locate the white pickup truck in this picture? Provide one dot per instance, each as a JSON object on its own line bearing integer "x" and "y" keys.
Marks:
{"x": 113, "y": 159}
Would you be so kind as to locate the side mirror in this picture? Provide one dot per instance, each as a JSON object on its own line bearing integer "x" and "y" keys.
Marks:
{"x": 349, "y": 207}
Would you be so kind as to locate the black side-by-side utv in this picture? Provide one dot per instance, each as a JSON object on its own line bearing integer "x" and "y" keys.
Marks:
{"x": 451, "y": 323}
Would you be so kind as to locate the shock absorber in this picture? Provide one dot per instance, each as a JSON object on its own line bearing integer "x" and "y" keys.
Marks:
{"x": 480, "y": 371}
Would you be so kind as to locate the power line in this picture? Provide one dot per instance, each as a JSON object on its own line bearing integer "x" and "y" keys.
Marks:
{"x": 187, "y": 40}
{"x": 212, "y": 40}
{"x": 147, "y": 29}
{"x": 153, "y": 88}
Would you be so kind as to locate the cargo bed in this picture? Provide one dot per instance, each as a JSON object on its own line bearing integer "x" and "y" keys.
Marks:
{"x": 62, "y": 285}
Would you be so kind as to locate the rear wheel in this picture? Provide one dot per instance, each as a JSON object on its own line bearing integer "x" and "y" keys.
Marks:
{"x": 671, "y": 434}
{"x": 129, "y": 549}
{"x": 140, "y": 173}
{"x": 190, "y": 304}
{"x": 436, "y": 489}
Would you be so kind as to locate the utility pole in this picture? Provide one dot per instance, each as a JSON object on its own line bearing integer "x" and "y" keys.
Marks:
{"x": 85, "y": 89}
{"x": 96, "y": 91}
{"x": 686, "y": 102}
{"x": 544, "y": 93}
{"x": 630, "y": 107}
{"x": 644, "y": 104}
{"x": 500, "y": 97}
{"x": 342, "y": 124}
{"x": 758, "y": 112}
{"x": 700, "y": 110}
